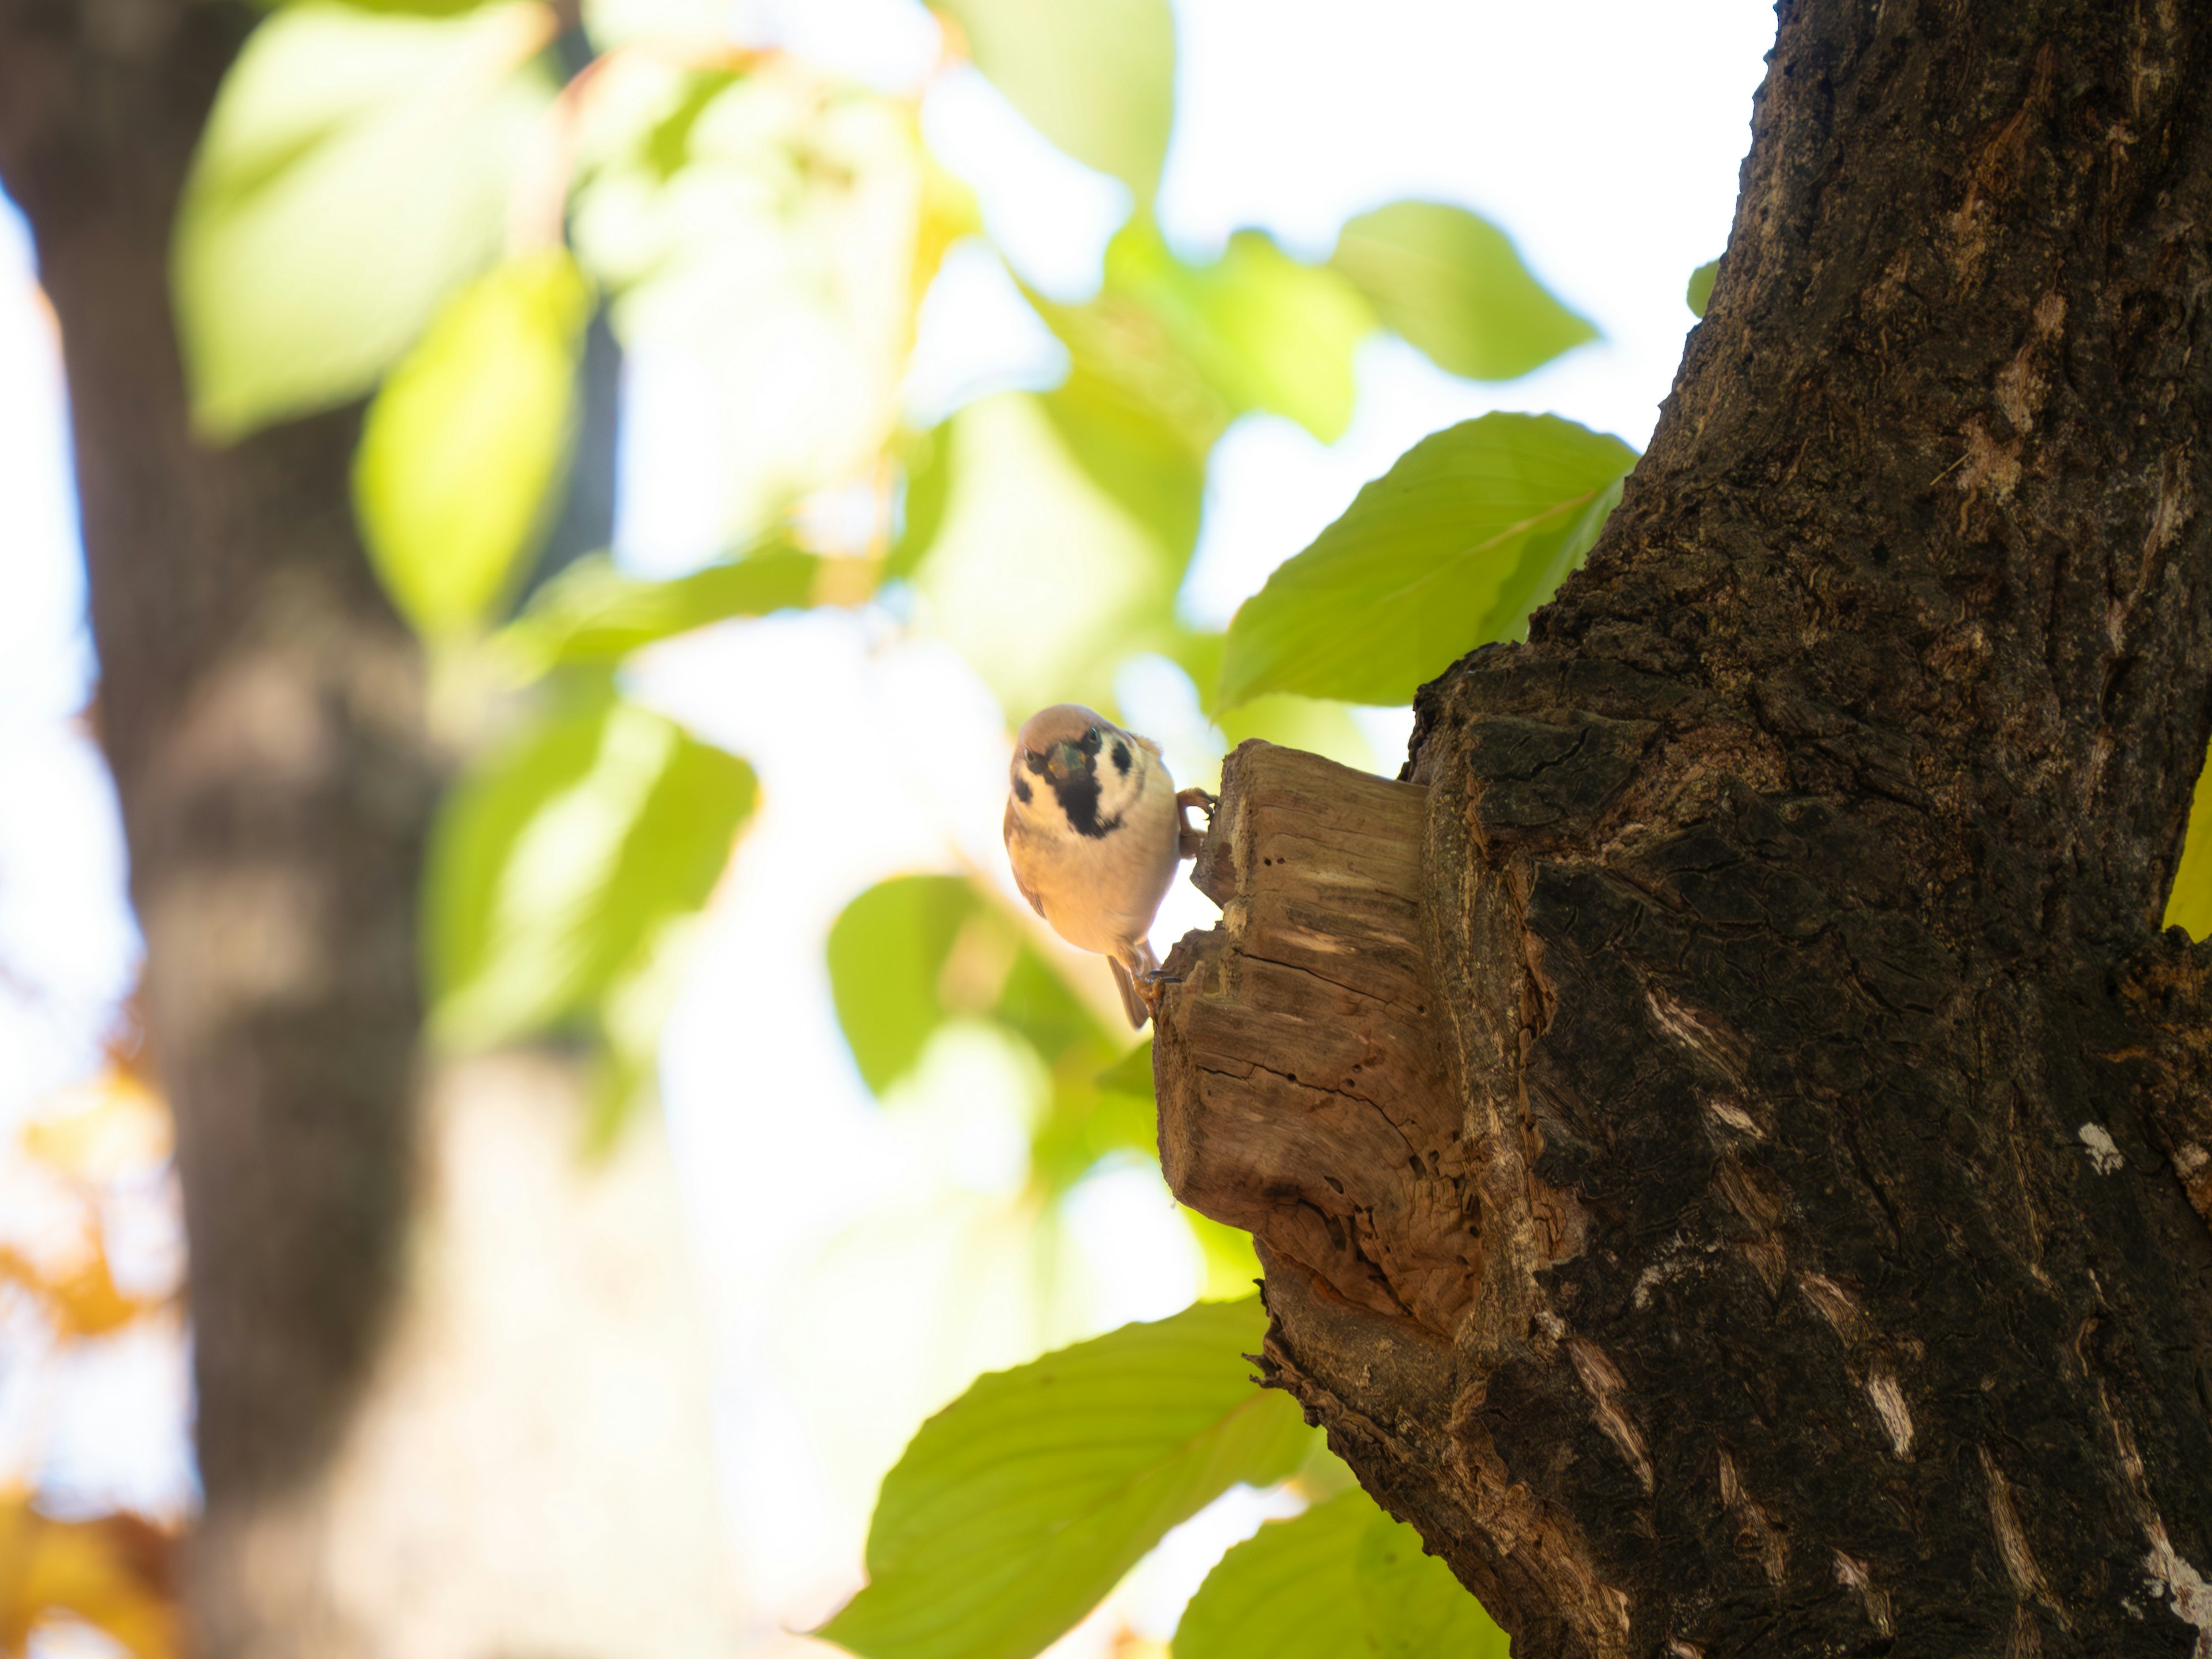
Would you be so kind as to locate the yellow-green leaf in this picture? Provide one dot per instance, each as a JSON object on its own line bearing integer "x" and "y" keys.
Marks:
{"x": 1469, "y": 530}
{"x": 555, "y": 864}
{"x": 1700, "y": 294}
{"x": 454, "y": 479}
{"x": 1291, "y": 1588}
{"x": 1452, "y": 285}
{"x": 1097, "y": 78}
{"x": 356, "y": 168}
{"x": 915, "y": 951}
{"x": 1342, "y": 1581}
{"x": 594, "y": 613}
{"x": 1024, "y": 1502}
{"x": 1265, "y": 331}
{"x": 2189, "y": 902}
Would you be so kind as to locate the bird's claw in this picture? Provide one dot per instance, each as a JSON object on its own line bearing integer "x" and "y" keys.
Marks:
{"x": 1189, "y": 838}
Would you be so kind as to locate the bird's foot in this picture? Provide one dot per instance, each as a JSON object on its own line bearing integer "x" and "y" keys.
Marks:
{"x": 1189, "y": 839}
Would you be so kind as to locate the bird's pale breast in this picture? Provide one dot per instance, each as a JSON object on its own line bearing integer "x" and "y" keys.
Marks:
{"x": 1100, "y": 894}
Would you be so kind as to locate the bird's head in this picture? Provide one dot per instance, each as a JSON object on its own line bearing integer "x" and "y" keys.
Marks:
{"x": 1071, "y": 764}
{"x": 1061, "y": 743}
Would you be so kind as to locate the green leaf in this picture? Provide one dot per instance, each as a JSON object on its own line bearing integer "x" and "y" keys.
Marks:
{"x": 927, "y": 463}
{"x": 1415, "y": 1608}
{"x": 1132, "y": 1075}
{"x": 1700, "y": 294}
{"x": 594, "y": 613}
{"x": 1341, "y": 1580}
{"x": 454, "y": 480}
{"x": 1037, "y": 576}
{"x": 915, "y": 951}
{"x": 1264, "y": 330}
{"x": 555, "y": 864}
{"x": 1313, "y": 724}
{"x": 1024, "y": 1502}
{"x": 1135, "y": 456}
{"x": 2189, "y": 903}
{"x": 1098, "y": 79}
{"x": 1468, "y": 532}
{"x": 356, "y": 169}
{"x": 887, "y": 954}
{"x": 1290, "y": 1590}
{"x": 1453, "y": 286}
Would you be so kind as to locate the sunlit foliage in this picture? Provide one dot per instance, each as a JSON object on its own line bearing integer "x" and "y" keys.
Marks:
{"x": 414, "y": 202}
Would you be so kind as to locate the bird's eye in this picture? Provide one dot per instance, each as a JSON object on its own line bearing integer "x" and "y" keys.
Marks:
{"x": 1092, "y": 740}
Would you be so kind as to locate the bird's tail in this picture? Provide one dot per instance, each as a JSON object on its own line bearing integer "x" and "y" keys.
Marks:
{"x": 1133, "y": 999}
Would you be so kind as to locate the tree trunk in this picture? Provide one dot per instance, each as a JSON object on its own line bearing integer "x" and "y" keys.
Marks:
{"x": 450, "y": 1404}
{"x": 1730, "y": 1147}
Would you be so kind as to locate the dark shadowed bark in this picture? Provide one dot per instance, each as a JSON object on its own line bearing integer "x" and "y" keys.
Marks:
{"x": 1728, "y": 1141}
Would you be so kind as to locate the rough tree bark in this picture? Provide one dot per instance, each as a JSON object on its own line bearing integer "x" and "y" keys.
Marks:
{"x": 1730, "y": 1144}
{"x": 449, "y": 1401}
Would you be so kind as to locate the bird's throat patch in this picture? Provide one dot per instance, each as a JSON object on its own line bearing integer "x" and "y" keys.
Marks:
{"x": 1078, "y": 799}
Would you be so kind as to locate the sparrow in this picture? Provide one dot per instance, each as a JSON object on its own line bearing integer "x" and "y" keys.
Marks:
{"x": 1094, "y": 829}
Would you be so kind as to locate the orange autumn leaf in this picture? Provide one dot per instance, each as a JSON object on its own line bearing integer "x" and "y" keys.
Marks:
{"x": 82, "y": 1298}
{"x": 114, "y": 1573}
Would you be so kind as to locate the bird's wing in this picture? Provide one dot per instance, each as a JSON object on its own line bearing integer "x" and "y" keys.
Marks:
{"x": 1147, "y": 745}
{"x": 1006, "y": 831}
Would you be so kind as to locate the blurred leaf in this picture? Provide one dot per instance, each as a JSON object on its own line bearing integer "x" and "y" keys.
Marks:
{"x": 115, "y": 1572}
{"x": 1313, "y": 724}
{"x": 1024, "y": 1501}
{"x": 1289, "y": 1591}
{"x": 887, "y": 954}
{"x": 1468, "y": 533}
{"x": 1700, "y": 294}
{"x": 1132, "y": 1075}
{"x": 103, "y": 1129}
{"x": 1232, "y": 1266}
{"x": 1452, "y": 285}
{"x": 668, "y": 144}
{"x": 454, "y": 479}
{"x": 592, "y": 612}
{"x": 1039, "y": 578}
{"x": 679, "y": 30}
{"x": 1035, "y": 1002}
{"x": 1264, "y": 330}
{"x": 1341, "y": 1580}
{"x": 1098, "y": 79}
{"x": 915, "y": 951}
{"x": 2188, "y": 904}
{"x": 355, "y": 170}
{"x": 1135, "y": 456}
{"x": 83, "y": 1299}
{"x": 556, "y": 863}
{"x": 928, "y": 466}
{"x": 1416, "y": 1607}
{"x": 779, "y": 265}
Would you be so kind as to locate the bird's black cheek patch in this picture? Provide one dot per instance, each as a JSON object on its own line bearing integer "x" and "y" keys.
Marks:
{"x": 1121, "y": 759}
{"x": 1021, "y": 792}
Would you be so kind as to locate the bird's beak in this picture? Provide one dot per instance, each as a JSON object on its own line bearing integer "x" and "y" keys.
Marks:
{"x": 1064, "y": 761}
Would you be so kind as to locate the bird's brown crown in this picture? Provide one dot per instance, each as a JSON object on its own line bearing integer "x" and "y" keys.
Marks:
{"x": 1064, "y": 722}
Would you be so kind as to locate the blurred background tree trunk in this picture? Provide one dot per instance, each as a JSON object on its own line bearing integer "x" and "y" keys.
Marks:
{"x": 1727, "y": 1137}
{"x": 450, "y": 1396}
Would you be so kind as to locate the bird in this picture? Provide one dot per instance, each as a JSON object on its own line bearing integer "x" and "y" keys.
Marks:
{"x": 1095, "y": 828}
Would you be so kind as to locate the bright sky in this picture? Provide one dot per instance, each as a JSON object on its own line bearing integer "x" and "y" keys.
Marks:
{"x": 831, "y": 1231}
